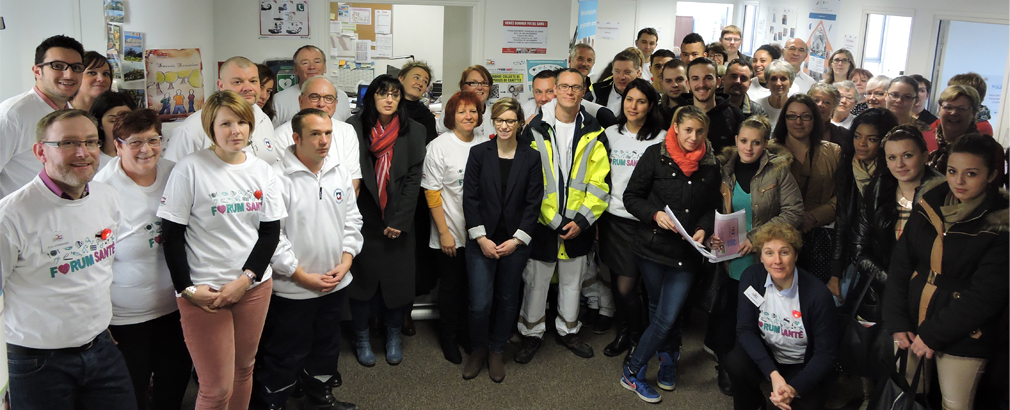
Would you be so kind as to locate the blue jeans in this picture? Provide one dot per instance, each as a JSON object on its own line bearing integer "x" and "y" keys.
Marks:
{"x": 497, "y": 280}
{"x": 668, "y": 288}
{"x": 96, "y": 378}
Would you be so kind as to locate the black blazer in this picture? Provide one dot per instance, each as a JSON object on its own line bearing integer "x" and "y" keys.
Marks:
{"x": 482, "y": 200}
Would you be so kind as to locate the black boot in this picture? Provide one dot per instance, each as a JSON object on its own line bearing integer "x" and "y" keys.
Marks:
{"x": 633, "y": 337}
{"x": 725, "y": 385}
{"x": 621, "y": 342}
{"x": 319, "y": 395}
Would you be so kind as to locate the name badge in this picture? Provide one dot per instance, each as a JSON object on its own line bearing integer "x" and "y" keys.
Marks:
{"x": 754, "y": 296}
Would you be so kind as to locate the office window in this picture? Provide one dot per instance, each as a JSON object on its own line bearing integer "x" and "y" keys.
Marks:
{"x": 885, "y": 48}
{"x": 749, "y": 29}
{"x": 708, "y": 18}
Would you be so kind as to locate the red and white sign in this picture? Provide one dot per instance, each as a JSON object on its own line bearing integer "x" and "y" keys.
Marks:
{"x": 524, "y": 37}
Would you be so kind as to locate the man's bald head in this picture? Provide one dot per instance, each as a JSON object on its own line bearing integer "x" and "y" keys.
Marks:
{"x": 240, "y": 75}
{"x": 320, "y": 89}
{"x": 795, "y": 52}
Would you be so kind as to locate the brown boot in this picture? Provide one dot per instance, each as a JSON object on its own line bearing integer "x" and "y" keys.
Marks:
{"x": 495, "y": 367}
{"x": 474, "y": 363}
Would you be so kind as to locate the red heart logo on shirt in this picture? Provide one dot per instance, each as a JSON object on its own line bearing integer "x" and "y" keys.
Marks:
{"x": 221, "y": 209}
{"x": 106, "y": 233}
{"x": 258, "y": 194}
{"x": 64, "y": 268}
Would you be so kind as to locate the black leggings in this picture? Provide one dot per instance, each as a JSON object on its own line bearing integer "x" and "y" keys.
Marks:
{"x": 156, "y": 348}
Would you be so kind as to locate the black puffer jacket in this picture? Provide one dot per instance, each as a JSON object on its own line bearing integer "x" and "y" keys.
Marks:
{"x": 963, "y": 316}
{"x": 658, "y": 182}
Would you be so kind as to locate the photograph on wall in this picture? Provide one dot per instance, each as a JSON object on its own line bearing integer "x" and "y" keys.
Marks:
{"x": 114, "y": 63}
{"x": 133, "y": 56}
{"x": 174, "y": 82}
{"x": 284, "y": 18}
{"x": 508, "y": 82}
{"x": 114, "y": 37}
{"x": 114, "y": 11}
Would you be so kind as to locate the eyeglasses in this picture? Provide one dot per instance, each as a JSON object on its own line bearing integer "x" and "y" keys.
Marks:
{"x": 63, "y": 66}
{"x": 74, "y": 145}
{"x": 476, "y": 84}
{"x": 960, "y": 109}
{"x": 804, "y": 117}
{"x": 499, "y": 122}
{"x": 794, "y": 49}
{"x": 840, "y": 60}
{"x": 389, "y": 94}
{"x": 897, "y": 96}
{"x": 329, "y": 98}
{"x": 566, "y": 87}
{"x": 137, "y": 144}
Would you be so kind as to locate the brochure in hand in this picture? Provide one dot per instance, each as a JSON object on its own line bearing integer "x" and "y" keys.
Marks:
{"x": 730, "y": 228}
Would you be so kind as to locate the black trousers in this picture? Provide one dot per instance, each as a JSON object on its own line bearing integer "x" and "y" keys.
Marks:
{"x": 453, "y": 293}
{"x": 298, "y": 335}
{"x": 156, "y": 348}
{"x": 747, "y": 379}
{"x": 721, "y": 332}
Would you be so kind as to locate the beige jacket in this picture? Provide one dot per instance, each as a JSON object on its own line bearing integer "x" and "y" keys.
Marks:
{"x": 775, "y": 196}
{"x": 817, "y": 183}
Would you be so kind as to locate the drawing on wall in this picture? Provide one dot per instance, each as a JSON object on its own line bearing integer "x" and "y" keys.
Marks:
{"x": 174, "y": 82}
{"x": 284, "y": 18}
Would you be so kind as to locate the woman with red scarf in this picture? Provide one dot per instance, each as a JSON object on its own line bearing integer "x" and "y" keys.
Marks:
{"x": 392, "y": 156}
{"x": 682, "y": 173}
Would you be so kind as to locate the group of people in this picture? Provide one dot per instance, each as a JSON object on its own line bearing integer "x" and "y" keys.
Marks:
{"x": 232, "y": 246}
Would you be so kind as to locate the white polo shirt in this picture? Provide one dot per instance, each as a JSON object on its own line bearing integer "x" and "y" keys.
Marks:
{"x": 286, "y": 105}
{"x": 56, "y": 263}
{"x": 19, "y": 117}
{"x": 344, "y": 144}
{"x": 189, "y": 137}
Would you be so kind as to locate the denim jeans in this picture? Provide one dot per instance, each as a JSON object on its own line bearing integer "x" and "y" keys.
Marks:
{"x": 96, "y": 378}
{"x": 668, "y": 288}
{"x": 362, "y": 310}
{"x": 497, "y": 280}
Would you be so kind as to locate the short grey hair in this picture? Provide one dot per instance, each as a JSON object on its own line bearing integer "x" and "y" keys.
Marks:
{"x": 582, "y": 46}
{"x": 879, "y": 81}
{"x": 846, "y": 85}
{"x": 780, "y": 67}
{"x": 305, "y": 85}
{"x": 828, "y": 89}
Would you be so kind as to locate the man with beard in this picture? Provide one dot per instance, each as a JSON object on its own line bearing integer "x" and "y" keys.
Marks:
{"x": 735, "y": 84}
{"x": 583, "y": 58}
{"x": 310, "y": 61}
{"x": 57, "y": 241}
{"x": 724, "y": 117}
{"x": 58, "y": 70}
{"x": 795, "y": 53}
{"x": 240, "y": 75}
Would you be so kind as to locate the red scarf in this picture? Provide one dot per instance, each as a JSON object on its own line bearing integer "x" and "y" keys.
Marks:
{"x": 382, "y": 147}
{"x": 687, "y": 161}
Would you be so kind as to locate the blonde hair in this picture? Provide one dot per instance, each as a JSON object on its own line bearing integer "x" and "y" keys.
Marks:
{"x": 773, "y": 231}
{"x": 730, "y": 29}
{"x": 56, "y": 116}
{"x": 226, "y": 99}
{"x": 956, "y": 91}
{"x": 759, "y": 123}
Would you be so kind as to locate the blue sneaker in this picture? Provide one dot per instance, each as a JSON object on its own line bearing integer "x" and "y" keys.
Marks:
{"x": 667, "y": 378}
{"x": 636, "y": 383}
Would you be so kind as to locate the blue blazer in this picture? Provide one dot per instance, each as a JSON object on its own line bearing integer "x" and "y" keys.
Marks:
{"x": 483, "y": 204}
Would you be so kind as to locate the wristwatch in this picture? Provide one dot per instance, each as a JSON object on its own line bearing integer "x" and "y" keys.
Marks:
{"x": 189, "y": 292}
{"x": 250, "y": 275}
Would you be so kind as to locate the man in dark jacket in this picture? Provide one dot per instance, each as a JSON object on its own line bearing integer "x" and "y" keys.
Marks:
{"x": 724, "y": 117}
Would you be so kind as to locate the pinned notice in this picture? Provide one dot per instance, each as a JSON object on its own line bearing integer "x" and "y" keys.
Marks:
{"x": 524, "y": 37}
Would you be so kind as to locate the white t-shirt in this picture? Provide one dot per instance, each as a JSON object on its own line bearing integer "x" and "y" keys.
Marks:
{"x": 56, "y": 263}
{"x": 223, "y": 205}
{"x": 286, "y": 105}
{"x": 141, "y": 284}
{"x": 802, "y": 83}
{"x": 625, "y": 151}
{"x": 846, "y": 123}
{"x": 647, "y": 70}
{"x": 343, "y": 145}
{"x": 19, "y": 117}
{"x": 564, "y": 133}
{"x": 615, "y": 101}
{"x": 773, "y": 113}
{"x": 189, "y": 138}
{"x": 103, "y": 160}
{"x": 781, "y": 322}
{"x": 323, "y": 222}
{"x": 444, "y": 166}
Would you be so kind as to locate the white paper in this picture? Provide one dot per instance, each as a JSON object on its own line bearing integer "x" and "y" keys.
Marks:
{"x": 383, "y": 46}
{"x": 731, "y": 229}
{"x": 360, "y": 15}
{"x": 361, "y": 49}
{"x": 336, "y": 27}
{"x": 608, "y": 30}
{"x": 383, "y": 21}
{"x": 687, "y": 236}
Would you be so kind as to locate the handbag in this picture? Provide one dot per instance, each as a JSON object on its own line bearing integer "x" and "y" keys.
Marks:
{"x": 894, "y": 392}
{"x": 858, "y": 351}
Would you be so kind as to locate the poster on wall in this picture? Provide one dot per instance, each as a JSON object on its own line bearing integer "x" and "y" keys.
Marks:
{"x": 524, "y": 37}
{"x": 284, "y": 18}
{"x": 174, "y": 82}
{"x": 533, "y": 67}
{"x": 609, "y": 30}
{"x": 821, "y": 24}
{"x": 360, "y": 15}
{"x": 587, "y": 22}
{"x": 133, "y": 56}
{"x": 781, "y": 25}
{"x": 114, "y": 37}
{"x": 114, "y": 11}
{"x": 508, "y": 82}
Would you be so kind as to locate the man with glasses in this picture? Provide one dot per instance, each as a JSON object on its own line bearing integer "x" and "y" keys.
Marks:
{"x": 544, "y": 91}
{"x": 310, "y": 61}
{"x": 58, "y": 238}
{"x": 795, "y": 53}
{"x": 240, "y": 75}
{"x": 627, "y": 67}
{"x": 731, "y": 38}
{"x": 319, "y": 93}
{"x": 58, "y": 72}
{"x": 573, "y": 147}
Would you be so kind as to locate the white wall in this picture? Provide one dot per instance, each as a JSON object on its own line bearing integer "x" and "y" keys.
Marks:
{"x": 624, "y": 12}
{"x": 417, "y": 30}
{"x": 26, "y": 28}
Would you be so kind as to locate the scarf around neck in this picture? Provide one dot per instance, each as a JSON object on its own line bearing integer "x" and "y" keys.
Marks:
{"x": 687, "y": 161}
{"x": 862, "y": 173}
{"x": 383, "y": 139}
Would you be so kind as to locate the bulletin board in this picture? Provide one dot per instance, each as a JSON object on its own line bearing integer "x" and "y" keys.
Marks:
{"x": 365, "y": 31}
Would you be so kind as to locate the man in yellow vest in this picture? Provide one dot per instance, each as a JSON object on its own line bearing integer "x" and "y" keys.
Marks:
{"x": 573, "y": 150}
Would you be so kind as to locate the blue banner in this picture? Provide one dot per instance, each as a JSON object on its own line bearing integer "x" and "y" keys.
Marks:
{"x": 587, "y": 18}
